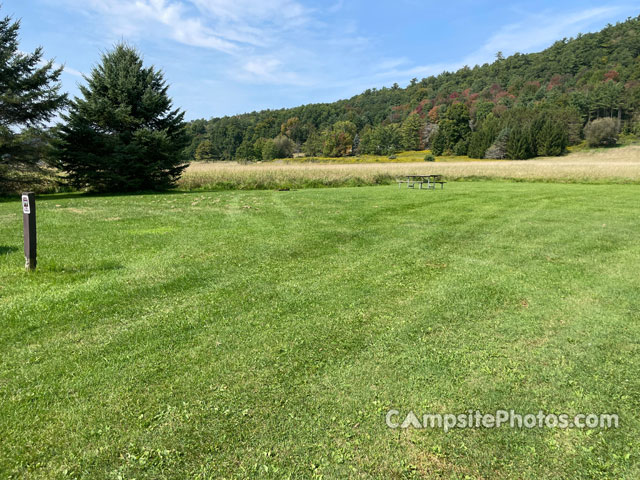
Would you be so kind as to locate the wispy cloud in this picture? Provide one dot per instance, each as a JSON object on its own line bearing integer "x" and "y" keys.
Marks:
{"x": 312, "y": 46}
{"x": 336, "y": 7}
{"x": 534, "y": 32}
{"x": 224, "y": 25}
{"x": 65, "y": 68}
{"x": 271, "y": 70}
{"x": 72, "y": 71}
{"x": 537, "y": 31}
{"x": 158, "y": 17}
{"x": 279, "y": 12}
{"x": 259, "y": 37}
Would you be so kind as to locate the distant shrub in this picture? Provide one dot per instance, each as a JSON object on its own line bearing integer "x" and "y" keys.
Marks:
{"x": 461, "y": 148}
{"x": 602, "y": 132}
{"x": 635, "y": 125}
{"x": 204, "y": 152}
{"x": 284, "y": 146}
{"x": 429, "y": 157}
{"x": 627, "y": 139}
{"x": 269, "y": 151}
{"x": 279, "y": 147}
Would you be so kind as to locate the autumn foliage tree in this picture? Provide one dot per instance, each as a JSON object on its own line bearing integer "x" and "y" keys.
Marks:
{"x": 338, "y": 141}
{"x": 572, "y": 83}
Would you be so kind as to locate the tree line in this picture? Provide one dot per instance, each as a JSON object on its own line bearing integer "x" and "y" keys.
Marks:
{"x": 516, "y": 107}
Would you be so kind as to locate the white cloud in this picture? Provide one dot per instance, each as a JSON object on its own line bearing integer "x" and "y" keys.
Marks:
{"x": 270, "y": 41}
{"x": 270, "y": 70}
{"x": 281, "y": 12}
{"x": 262, "y": 67}
{"x": 65, "y": 69}
{"x": 72, "y": 71}
{"x": 224, "y": 25}
{"x": 336, "y": 7}
{"x": 283, "y": 42}
{"x": 157, "y": 17}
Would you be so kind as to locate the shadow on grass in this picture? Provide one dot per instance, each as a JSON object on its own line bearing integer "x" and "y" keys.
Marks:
{"x": 76, "y": 195}
{"x": 5, "y": 249}
{"x": 53, "y": 267}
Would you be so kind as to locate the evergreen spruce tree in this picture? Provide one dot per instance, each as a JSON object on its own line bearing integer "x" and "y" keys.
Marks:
{"x": 478, "y": 144}
{"x": 411, "y": 132}
{"x": 355, "y": 149}
{"x": 498, "y": 149}
{"x": 484, "y": 137}
{"x": 123, "y": 134}
{"x": 439, "y": 142}
{"x": 552, "y": 139}
{"x": 29, "y": 97}
{"x": 519, "y": 145}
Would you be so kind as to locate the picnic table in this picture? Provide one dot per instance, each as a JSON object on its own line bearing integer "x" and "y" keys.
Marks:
{"x": 429, "y": 180}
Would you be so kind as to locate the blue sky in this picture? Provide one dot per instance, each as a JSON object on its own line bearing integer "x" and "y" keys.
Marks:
{"x": 223, "y": 57}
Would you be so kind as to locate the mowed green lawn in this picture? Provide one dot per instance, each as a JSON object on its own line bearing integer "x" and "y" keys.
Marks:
{"x": 266, "y": 334}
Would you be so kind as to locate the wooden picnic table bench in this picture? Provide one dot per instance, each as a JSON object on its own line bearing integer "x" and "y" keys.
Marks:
{"x": 430, "y": 180}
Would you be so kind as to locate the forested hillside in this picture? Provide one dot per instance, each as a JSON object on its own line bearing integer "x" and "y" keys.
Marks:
{"x": 517, "y": 107}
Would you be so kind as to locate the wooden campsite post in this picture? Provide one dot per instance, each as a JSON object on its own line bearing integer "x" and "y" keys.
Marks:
{"x": 29, "y": 220}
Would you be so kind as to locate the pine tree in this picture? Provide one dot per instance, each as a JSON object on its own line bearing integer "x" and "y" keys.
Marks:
{"x": 519, "y": 143}
{"x": 438, "y": 142}
{"x": 123, "y": 134}
{"x": 29, "y": 97}
{"x": 411, "y": 132}
{"x": 484, "y": 137}
{"x": 498, "y": 149}
{"x": 355, "y": 149}
{"x": 551, "y": 139}
{"x": 453, "y": 128}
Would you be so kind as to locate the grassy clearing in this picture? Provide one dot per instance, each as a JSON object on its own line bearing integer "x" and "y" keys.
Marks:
{"x": 265, "y": 334}
{"x": 618, "y": 165}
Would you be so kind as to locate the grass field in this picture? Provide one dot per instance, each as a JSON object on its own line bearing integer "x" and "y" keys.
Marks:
{"x": 265, "y": 334}
{"x": 618, "y": 165}
{"x": 400, "y": 157}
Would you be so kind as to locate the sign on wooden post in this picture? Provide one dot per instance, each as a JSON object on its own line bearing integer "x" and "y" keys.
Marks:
{"x": 29, "y": 219}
